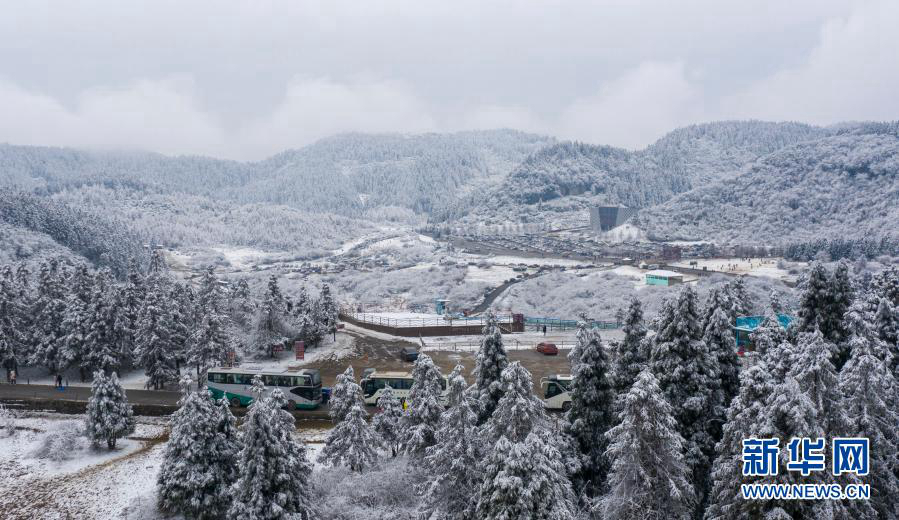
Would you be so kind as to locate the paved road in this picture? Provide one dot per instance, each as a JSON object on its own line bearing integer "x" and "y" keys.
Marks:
{"x": 83, "y": 393}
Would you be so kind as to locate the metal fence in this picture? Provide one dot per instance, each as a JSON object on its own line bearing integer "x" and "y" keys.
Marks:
{"x": 469, "y": 346}
{"x": 558, "y": 324}
{"x": 445, "y": 321}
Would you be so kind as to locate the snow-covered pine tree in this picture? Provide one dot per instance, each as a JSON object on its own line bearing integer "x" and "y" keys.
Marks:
{"x": 271, "y": 325}
{"x": 591, "y": 414}
{"x": 310, "y": 325}
{"x": 885, "y": 284}
{"x": 687, "y": 373}
{"x": 273, "y": 470}
{"x": 869, "y": 388}
{"x": 719, "y": 339}
{"x": 199, "y": 463}
{"x": 789, "y": 413}
{"x": 741, "y": 302}
{"x": 814, "y": 304}
{"x": 816, "y": 375}
{"x": 109, "y": 415}
{"x": 630, "y": 354}
{"x": 489, "y": 365}
{"x": 776, "y": 304}
{"x": 101, "y": 343}
{"x": 11, "y": 339}
{"x": 518, "y": 411}
{"x": 328, "y": 308}
{"x": 388, "y": 422}
{"x": 744, "y": 417}
{"x": 352, "y": 442}
{"x": 833, "y": 328}
{"x": 209, "y": 294}
{"x": 453, "y": 463}
{"x": 157, "y": 264}
{"x": 77, "y": 321}
{"x": 422, "y": 419}
{"x": 719, "y": 298}
{"x": 524, "y": 480}
{"x": 131, "y": 302}
{"x": 180, "y": 324}
{"x": 886, "y": 328}
{"x": 154, "y": 347}
{"x": 649, "y": 478}
{"x": 210, "y": 343}
{"x": 344, "y": 395}
{"x": 242, "y": 305}
{"x": 48, "y": 335}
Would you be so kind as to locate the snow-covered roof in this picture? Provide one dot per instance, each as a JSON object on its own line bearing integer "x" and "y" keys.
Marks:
{"x": 665, "y": 274}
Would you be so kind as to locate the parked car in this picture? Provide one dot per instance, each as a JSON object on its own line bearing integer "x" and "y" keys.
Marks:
{"x": 408, "y": 354}
{"x": 547, "y": 349}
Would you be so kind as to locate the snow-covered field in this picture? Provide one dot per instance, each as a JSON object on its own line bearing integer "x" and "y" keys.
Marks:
{"x": 96, "y": 484}
{"x": 766, "y": 267}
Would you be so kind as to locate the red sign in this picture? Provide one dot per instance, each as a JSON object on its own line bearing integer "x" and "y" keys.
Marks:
{"x": 300, "y": 348}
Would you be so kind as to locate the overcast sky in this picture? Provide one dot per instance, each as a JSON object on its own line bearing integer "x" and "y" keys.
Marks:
{"x": 247, "y": 79}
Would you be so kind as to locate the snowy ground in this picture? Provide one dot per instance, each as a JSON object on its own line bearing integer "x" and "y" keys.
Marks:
{"x": 91, "y": 483}
{"x": 765, "y": 267}
{"x": 97, "y": 484}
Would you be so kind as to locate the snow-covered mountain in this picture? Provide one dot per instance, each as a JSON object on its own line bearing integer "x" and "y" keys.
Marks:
{"x": 838, "y": 186}
{"x": 562, "y": 180}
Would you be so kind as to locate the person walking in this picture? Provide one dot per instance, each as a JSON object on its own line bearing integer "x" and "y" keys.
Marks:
{"x": 544, "y": 331}
{"x": 12, "y": 376}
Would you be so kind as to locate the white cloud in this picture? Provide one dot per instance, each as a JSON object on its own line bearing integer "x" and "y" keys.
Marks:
{"x": 612, "y": 72}
{"x": 320, "y": 107}
{"x": 851, "y": 74}
{"x": 635, "y": 109}
{"x": 154, "y": 115}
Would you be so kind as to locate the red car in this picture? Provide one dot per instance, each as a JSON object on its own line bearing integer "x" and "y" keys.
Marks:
{"x": 548, "y": 349}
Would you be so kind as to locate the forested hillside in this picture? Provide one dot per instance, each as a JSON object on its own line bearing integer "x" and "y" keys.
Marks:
{"x": 845, "y": 185}
{"x": 102, "y": 240}
{"x": 565, "y": 179}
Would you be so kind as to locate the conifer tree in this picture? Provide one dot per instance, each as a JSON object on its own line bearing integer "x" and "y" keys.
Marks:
{"x": 776, "y": 306}
{"x": 131, "y": 303}
{"x": 210, "y": 343}
{"x": 271, "y": 326}
{"x": 649, "y": 477}
{"x": 688, "y": 377}
{"x": 489, "y": 365}
{"x": 590, "y": 415}
{"x": 817, "y": 377}
{"x": 815, "y": 301}
{"x": 518, "y": 411}
{"x": 388, "y": 422}
{"x": 351, "y": 442}
{"x": 840, "y": 297}
{"x": 453, "y": 462}
{"x": 155, "y": 349}
{"x": 345, "y": 393}
{"x": 741, "y": 302}
{"x": 200, "y": 459}
{"x": 423, "y": 417}
{"x": 328, "y": 309}
{"x": 719, "y": 339}
{"x": 886, "y": 329}
{"x": 631, "y": 354}
{"x": 524, "y": 480}
{"x": 48, "y": 347}
{"x": 101, "y": 341}
{"x": 745, "y": 415}
{"x": 869, "y": 389}
{"x": 273, "y": 470}
{"x": 109, "y": 415}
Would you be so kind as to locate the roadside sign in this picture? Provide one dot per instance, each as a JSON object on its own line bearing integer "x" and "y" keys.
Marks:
{"x": 300, "y": 348}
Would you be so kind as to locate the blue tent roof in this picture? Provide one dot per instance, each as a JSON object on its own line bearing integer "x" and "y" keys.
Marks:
{"x": 750, "y": 323}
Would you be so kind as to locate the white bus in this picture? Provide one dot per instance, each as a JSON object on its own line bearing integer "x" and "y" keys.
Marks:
{"x": 373, "y": 383}
{"x": 301, "y": 387}
{"x": 556, "y": 392}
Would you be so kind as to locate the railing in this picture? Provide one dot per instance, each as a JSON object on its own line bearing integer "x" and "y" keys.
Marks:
{"x": 558, "y": 324}
{"x": 469, "y": 346}
{"x": 467, "y": 321}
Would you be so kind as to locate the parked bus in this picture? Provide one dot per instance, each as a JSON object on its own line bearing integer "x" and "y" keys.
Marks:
{"x": 373, "y": 383}
{"x": 301, "y": 387}
{"x": 556, "y": 392}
